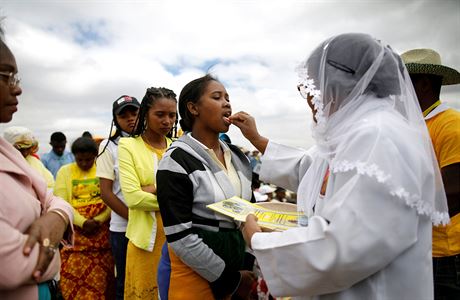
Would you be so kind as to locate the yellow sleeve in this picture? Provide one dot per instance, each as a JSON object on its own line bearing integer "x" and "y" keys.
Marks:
{"x": 63, "y": 189}
{"x": 449, "y": 141}
{"x": 130, "y": 181}
{"x": 103, "y": 216}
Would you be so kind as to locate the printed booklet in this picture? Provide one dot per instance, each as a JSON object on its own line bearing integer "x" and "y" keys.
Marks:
{"x": 238, "y": 208}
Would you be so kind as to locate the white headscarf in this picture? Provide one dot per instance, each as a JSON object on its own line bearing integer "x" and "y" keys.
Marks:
{"x": 352, "y": 77}
{"x": 20, "y": 137}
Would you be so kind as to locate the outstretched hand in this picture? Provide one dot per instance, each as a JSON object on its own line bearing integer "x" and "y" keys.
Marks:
{"x": 247, "y": 124}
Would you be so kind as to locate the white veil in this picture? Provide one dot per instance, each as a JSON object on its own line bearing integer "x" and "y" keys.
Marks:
{"x": 351, "y": 77}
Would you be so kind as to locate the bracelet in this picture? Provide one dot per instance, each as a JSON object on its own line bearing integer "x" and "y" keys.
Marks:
{"x": 60, "y": 214}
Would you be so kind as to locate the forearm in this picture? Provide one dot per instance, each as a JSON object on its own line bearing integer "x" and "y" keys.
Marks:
{"x": 141, "y": 200}
{"x": 116, "y": 205}
{"x": 103, "y": 216}
{"x": 451, "y": 179}
{"x": 260, "y": 143}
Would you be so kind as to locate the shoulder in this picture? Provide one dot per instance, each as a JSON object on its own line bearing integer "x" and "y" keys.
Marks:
{"x": 450, "y": 119}
{"x": 130, "y": 141}
{"x": 181, "y": 161}
{"x": 45, "y": 156}
{"x": 66, "y": 169}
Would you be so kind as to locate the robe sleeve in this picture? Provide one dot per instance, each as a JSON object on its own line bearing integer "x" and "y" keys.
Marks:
{"x": 290, "y": 164}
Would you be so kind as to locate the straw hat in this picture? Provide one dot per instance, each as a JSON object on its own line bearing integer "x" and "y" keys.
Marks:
{"x": 428, "y": 61}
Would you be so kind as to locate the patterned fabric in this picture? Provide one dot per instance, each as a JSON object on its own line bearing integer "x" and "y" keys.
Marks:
{"x": 87, "y": 268}
{"x": 141, "y": 275}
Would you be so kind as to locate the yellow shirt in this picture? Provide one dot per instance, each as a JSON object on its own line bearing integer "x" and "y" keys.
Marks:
{"x": 36, "y": 164}
{"x": 79, "y": 188}
{"x": 444, "y": 129}
{"x": 138, "y": 164}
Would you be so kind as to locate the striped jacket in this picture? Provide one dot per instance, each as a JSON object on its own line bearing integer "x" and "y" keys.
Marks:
{"x": 188, "y": 179}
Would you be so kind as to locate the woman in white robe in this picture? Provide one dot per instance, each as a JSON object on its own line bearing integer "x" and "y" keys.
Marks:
{"x": 369, "y": 235}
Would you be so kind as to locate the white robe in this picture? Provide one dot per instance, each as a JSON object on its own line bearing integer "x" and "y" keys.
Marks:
{"x": 361, "y": 242}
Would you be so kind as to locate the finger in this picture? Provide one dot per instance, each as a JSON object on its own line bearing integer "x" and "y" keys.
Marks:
{"x": 32, "y": 239}
{"x": 45, "y": 257}
{"x": 251, "y": 218}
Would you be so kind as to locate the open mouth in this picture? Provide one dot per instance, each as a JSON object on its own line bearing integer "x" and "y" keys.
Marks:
{"x": 226, "y": 115}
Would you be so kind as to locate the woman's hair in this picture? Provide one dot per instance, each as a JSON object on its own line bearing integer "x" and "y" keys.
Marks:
{"x": 151, "y": 95}
{"x": 84, "y": 145}
{"x": 192, "y": 92}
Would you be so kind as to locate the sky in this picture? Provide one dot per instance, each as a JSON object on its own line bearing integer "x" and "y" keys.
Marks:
{"x": 76, "y": 57}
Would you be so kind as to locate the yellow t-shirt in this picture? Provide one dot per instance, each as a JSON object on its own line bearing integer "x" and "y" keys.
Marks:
{"x": 80, "y": 188}
{"x": 444, "y": 129}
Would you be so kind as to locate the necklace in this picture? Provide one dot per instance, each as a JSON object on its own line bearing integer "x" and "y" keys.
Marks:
{"x": 156, "y": 145}
{"x": 431, "y": 108}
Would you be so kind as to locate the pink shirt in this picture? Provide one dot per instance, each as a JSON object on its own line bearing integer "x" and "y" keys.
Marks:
{"x": 23, "y": 194}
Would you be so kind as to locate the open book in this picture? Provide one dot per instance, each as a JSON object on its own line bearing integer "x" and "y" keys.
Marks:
{"x": 238, "y": 208}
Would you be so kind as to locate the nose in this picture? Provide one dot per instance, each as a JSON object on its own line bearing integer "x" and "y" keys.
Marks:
{"x": 16, "y": 91}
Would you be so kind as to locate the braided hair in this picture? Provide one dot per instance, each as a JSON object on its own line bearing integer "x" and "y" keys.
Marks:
{"x": 151, "y": 95}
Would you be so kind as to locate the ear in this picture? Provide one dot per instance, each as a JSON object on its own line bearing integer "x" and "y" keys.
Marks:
{"x": 192, "y": 108}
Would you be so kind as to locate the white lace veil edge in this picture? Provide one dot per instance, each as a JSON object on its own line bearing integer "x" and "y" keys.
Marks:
{"x": 411, "y": 200}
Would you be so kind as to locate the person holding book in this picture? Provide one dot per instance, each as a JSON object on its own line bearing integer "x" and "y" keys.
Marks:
{"x": 206, "y": 249}
{"x": 369, "y": 235}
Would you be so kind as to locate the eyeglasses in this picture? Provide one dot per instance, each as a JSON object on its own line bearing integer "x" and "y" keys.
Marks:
{"x": 13, "y": 78}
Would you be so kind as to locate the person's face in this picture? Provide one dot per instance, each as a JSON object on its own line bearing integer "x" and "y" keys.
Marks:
{"x": 161, "y": 116}
{"x": 25, "y": 151}
{"x": 309, "y": 98}
{"x": 312, "y": 107}
{"x": 126, "y": 119}
{"x": 213, "y": 108}
{"x": 420, "y": 86}
{"x": 8, "y": 93}
{"x": 58, "y": 147}
{"x": 85, "y": 160}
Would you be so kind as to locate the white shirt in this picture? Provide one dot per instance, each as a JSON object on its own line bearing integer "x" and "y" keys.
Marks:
{"x": 107, "y": 167}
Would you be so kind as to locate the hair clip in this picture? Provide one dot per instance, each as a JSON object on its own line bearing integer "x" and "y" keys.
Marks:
{"x": 340, "y": 66}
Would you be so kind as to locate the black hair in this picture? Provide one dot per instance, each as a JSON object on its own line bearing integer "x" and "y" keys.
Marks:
{"x": 87, "y": 134}
{"x": 151, "y": 95}
{"x": 84, "y": 145}
{"x": 58, "y": 137}
{"x": 118, "y": 131}
{"x": 192, "y": 92}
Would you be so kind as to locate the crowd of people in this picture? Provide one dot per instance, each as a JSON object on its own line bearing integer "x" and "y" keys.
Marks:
{"x": 127, "y": 218}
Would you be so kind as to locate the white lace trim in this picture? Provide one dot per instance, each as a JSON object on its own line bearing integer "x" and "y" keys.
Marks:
{"x": 373, "y": 171}
{"x": 310, "y": 88}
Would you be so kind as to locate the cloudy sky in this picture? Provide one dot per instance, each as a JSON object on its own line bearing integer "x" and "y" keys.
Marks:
{"x": 76, "y": 57}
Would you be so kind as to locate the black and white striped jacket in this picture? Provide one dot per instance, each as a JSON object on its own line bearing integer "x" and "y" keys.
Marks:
{"x": 188, "y": 179}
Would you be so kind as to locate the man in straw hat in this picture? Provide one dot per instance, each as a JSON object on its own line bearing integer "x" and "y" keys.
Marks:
{"x": 428, "y": 75}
